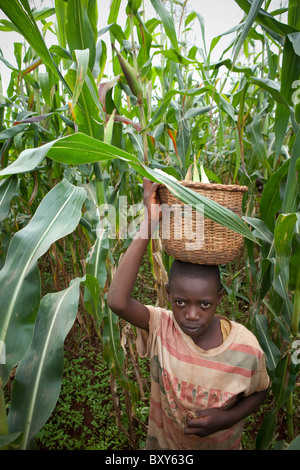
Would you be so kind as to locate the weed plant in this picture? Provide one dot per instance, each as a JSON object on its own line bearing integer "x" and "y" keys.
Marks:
{"x": 84, "y": 418}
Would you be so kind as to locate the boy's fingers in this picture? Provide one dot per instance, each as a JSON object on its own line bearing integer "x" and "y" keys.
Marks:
{"x": 148, "y": 184}
{"x": 194, "y": 419}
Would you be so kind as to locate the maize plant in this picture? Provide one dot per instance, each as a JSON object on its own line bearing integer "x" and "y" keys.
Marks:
{"x": 75, "y": 141}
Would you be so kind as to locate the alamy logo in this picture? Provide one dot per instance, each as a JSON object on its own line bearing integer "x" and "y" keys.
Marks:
{"x": 296, "y": 94}
{"x": 2, "y": 353}
{"x": 296, "y": 352}
{"x": 186, "y": 223}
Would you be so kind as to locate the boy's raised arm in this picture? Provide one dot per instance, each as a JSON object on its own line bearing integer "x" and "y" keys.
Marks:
{"x": 119, "y": 294}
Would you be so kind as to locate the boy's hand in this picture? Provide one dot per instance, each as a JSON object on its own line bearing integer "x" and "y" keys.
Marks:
{"x": 152, "y": 202}
{"x": 207, "y": 422}
{"x": 215, "y": 419}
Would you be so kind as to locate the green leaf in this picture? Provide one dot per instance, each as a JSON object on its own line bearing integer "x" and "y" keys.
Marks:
{"x": 295, "y": 444}
{"x": 197, "y": 111}
{"x": 19, "y": 12}
{"x": 88, "y": 107}
{"x": 271, "y": 201}
{"x": 57, "y": 215}
{"x": 8, "y": 440}
{"x": 290, "y": 196}
{"x": 283, "y": 235}
{"x": 266, "y": 20}
{"x": 167, "y": 22}
{"x": 266, "y": 431}
{"x": 12, "y": 131}
{"x": 92, "y": 296}
{"x": 38, "y": 378}
{"x": 44, "y": 13}
{"x": 255, "y": 7}
{"x": 82, "y": 59}
{"x": 79, "y": 29}
{"x": 96, "y": 258}
{"x": 79, "y": 148}
{"x": 272, "y": 352}
{"x": 61, "y": 12}
{"x": 278, "y": 318}
{"x": 261, "y": 230}
{"x": 273, "y": 88}
{"x": 133, "y": 6}
{"x": 112, "y": 352}
{"x": 258, "y": 142}
{"x": 295, "y": 40}
{"x": 284, "y": 380}
{"x": 114, "y": 11}
{"x": 175, "y": 56}
{"x": 8, "y": 189}
{"x": 183, "y": 141}
{"x": 295, "y": 324}
{"x": 289, "y": 74}
{"x": 28, "y": 160}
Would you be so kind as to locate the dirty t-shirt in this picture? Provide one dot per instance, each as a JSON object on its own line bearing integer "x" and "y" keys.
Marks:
{"x": 186, "y": 378}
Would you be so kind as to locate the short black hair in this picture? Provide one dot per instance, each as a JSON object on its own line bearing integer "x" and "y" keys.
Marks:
{"x": 191, "y": 270}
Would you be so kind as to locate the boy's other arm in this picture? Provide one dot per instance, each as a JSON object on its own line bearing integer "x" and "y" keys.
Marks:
{"x": 119, "y": 297}
{"x": 216, "y": 419}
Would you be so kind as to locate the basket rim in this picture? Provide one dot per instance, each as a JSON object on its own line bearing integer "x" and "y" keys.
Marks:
{"x": 213, "y": 186}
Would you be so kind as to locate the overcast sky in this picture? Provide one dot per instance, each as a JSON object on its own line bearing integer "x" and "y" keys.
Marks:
{"x": 219, "y": 16}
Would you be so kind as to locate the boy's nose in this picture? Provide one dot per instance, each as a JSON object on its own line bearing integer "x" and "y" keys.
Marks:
{"x": 192, "y": 314}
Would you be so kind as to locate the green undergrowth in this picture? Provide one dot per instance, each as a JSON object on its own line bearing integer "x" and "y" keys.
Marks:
{"x": 84, "y": 417}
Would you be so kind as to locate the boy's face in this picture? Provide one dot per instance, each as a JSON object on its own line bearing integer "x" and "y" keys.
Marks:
{"x": 194, "y": 303}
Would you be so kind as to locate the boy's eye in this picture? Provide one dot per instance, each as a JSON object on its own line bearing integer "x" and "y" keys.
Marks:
{"x": 205, "y": 304}
{"x": 180, "y": 303}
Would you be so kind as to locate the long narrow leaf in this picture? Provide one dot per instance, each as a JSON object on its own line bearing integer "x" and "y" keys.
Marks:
{"x": 273, "y": 88}
{"x": 290, "y": 196}
{"x": 255, "y": 7}
{"x": 38, "y": 378}
{"x": 266, "y": 431}
{"x": 271, "y": 202}
{"x": 167, "y": 22}
{"x": 57, "y": 215}
{"x": 88, "y": 107}
{"x": 289, "y": 75}
{"x": 79, "y": 149}
{"x": 82, "y": 59}
{"x": 260, "y": 229}
{"x": 79, "y": 28}
{"x": 283, "y": 235}
{"x": 114, "y": 11}
{"x": 8, "y": 190}
{"x": 266, "y": 20}
{"x": 96, "y": 258}
{"x": 272, "y": 352}
{"x": 19, "y": 13}
{"x": 257, "y": 141}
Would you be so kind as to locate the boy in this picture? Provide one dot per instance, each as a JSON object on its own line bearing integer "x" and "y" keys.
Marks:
{"x": 207, "y": 373}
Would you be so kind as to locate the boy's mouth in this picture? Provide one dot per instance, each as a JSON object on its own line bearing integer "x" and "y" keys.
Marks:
{"x": 191, "y": 330}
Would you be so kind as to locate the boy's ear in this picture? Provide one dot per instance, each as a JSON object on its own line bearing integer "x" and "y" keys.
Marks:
{"x": 168, "y": 291}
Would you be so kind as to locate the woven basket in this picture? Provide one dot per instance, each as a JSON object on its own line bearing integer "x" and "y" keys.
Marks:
{"x": 215, "y": 244}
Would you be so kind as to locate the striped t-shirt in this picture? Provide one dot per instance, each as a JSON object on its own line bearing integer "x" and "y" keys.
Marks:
{"x": 187, "y": 378}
